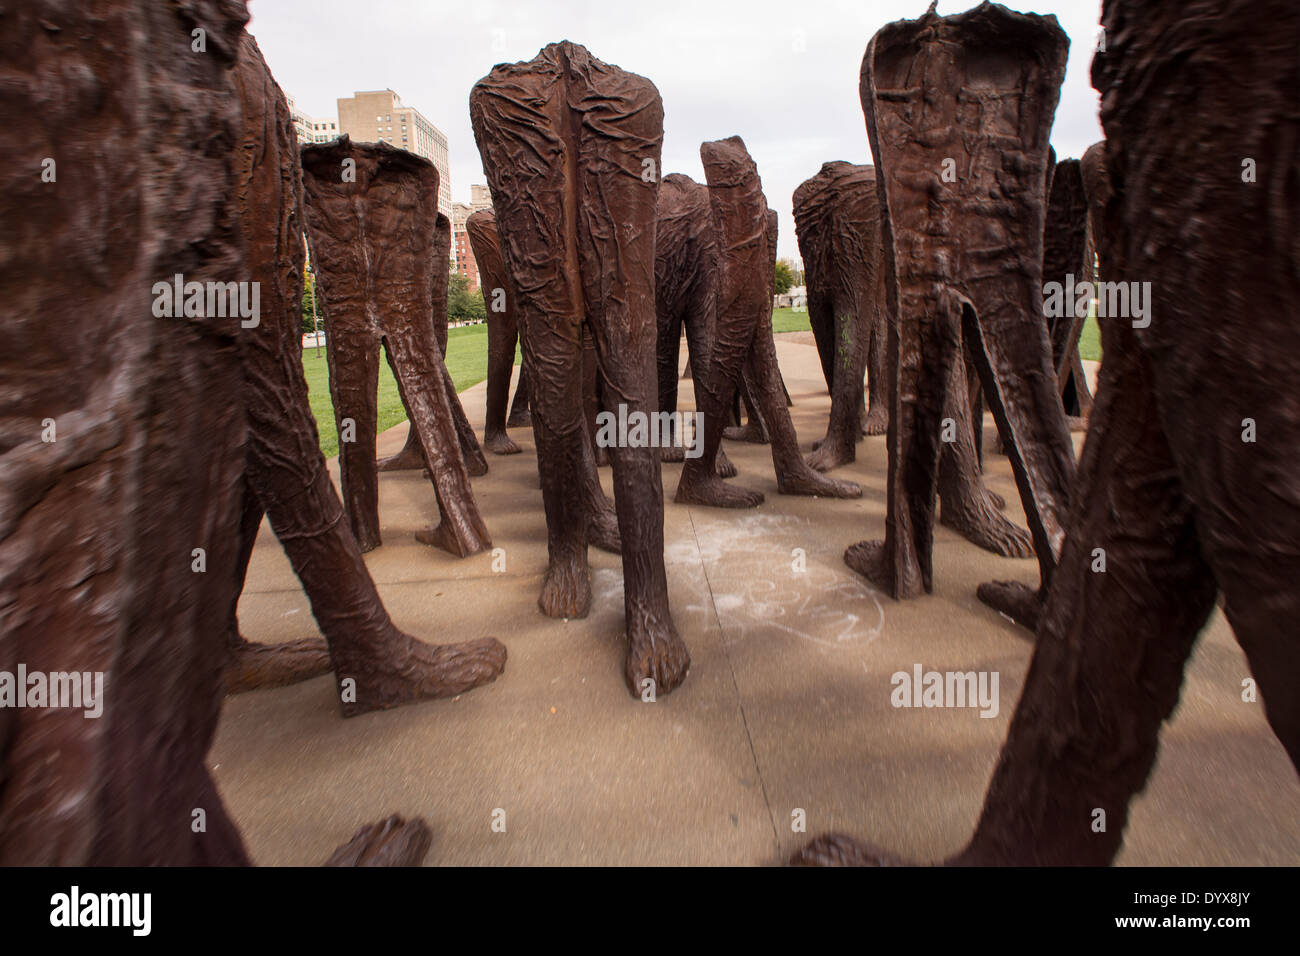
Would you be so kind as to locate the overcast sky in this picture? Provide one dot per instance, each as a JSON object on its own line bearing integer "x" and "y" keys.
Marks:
{"x": 781, "y": 75}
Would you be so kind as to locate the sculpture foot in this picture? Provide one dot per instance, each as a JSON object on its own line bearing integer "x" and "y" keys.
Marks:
{"x": 476, "y": 465}
{"x": 809, "y": 482}
{"x": 1017, "y": 601}
{"x": 257, "y": 666}
{"x": 412, "y": 456}
{"x": 392, "y": 842}
{"x": 995, "y": 499}
{"x": 724, "y": 466}
{"x": 566, "y": 589}
{"x": 655, "y": 652}
{"x": 501, "y": 444}
{"x": 876, "y": 422}
{"x": 836, "y": 849}
{"x": 519, "y": 419}
{"x": 602, "y": 529}
{"x": 674, "y": 454}
{"x": 869, "y": 559}
{"x": 412, "y": 671}
{"x": 830, "y": 454}
{"x": 751, "y": 432}
{"x": 713, "y": 493}
{"x": 987, "y": 527}
{"x": 444, "y": 538}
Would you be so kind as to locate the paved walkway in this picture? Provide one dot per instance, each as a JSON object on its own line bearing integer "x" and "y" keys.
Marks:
{"x": 787, "y": 705}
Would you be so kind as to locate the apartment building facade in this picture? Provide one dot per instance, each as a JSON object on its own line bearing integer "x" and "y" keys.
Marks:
{"x": 373, "y": 116}
{"x": 311, "y": 129}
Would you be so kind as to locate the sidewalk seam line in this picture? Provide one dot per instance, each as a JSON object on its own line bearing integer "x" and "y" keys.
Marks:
{"x": 740, "y": 703}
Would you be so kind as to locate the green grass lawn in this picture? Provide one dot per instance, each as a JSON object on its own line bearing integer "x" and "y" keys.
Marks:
{"x": 466, "y": 361}
{"x": 788, "y": 320}
{"x": 1090, "y": 340}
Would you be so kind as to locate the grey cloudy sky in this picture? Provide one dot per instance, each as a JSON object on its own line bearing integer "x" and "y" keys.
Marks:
{"x": 781, "y": 75}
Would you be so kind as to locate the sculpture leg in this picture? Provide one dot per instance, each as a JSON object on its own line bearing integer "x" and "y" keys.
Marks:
{"x": 503, "y": 333}
{"x": 621, "y": 124}
{"x": 966, "y": 505}
{"x": 753, "y": 431}
{"x": 793, "y": 474}
{"x": 839, "y": 447}
{"x": 699, "y": 323}
{"x": 876, "y": 421}
{"x": 255, "y": 666}
{"x": 517, "y": 112}
{"x": 353, "y": 354}
{"x": 929, "y": 339}
{"x": 519, "y": 415}
{"x": 470, "y": 450}
{"x": 412, "y": 453}
{"x": 418, "y": 366}
{"x": 386, "y": 666}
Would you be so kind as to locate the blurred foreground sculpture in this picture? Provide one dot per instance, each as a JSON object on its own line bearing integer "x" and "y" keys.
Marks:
{"x": 571, "y": 147}
{"x": 1170, "y": 487}
{"x": 370, "y": 209}
{"x": 958, "y": 112}
{"x": 122, "y": 457}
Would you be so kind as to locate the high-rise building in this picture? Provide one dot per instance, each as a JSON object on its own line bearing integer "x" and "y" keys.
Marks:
{"x": 311, "y": 129}
{"x": 376, "y": 116}
{"x": 480, "y": 197}
{"x": 460, "y": 247}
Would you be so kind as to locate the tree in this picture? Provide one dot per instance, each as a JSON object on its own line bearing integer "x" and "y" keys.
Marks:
{"x": 308, "y": 299}
{"x": 462, "y": 304}
{"x": 784, "y": 277}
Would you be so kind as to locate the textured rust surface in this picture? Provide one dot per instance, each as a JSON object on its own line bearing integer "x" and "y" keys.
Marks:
{"x": 1063, "y": 254}
{"x": 412, "y": 454}
{"x": 1181, "y": 505}
{"x": 710, "y": 267}
{"x": 98, "y": 526}
{"x": 565, "y": 140}
{"x": 503, "y": 328}
{"x": 503, "y": 337}
{"x": 958, "y": 111}
{"x": 373, "y": 244}
{"x": 286, "y": 476}
{"x": 837, "y": 222}
{"x": 686, "y": 289}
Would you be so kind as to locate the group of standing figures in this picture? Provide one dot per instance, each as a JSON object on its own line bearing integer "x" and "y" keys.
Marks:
{"x": 926, "y": 268}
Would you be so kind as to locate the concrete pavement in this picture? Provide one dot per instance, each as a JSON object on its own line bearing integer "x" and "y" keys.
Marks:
{"x": 787, "y": 706}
